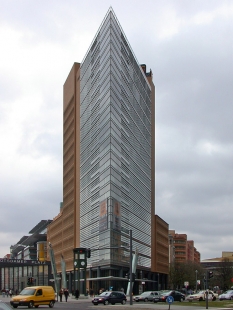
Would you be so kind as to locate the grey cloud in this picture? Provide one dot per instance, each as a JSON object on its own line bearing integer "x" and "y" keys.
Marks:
{"x": 31, "y": 201}
{"x": 44, "y": 144}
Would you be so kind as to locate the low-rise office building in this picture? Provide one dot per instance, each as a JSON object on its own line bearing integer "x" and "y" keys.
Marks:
{"x": 27, "y": 263}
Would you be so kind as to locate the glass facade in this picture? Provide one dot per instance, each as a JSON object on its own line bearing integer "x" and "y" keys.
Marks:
{"x": 115, "y": 150}
{"x": 15, "y": 277}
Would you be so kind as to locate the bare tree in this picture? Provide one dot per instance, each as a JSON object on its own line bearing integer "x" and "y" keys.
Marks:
{"x": 185, "y": 272}
{"x": 223, "y": 274}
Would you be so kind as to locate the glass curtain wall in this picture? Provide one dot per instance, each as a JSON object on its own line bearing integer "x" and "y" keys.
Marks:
{"x": 16, "y": 277}
{"x": 115, "y": 149}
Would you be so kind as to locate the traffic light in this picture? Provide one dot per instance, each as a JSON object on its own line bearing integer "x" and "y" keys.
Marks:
{"x": 80, "y": 250}
{"x": 88, "y": 251}
{"x": 210, "y": 274}
{"x": 29, "y": 281}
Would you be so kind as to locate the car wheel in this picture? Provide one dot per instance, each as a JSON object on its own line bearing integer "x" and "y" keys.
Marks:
{"x": 113, "y": 303}
{"x": 106, "y": 302}
{"x": 15, "y": 306}
{"x": 214, "y": 298}
{"x": 137, "y": 300}
{"x": 200, "y": 299}
{"x": 36, "y": 306}
{"x": 31, "y": 304}
{"x": 51, "y": 304}
{"x": 146, "y": 299}
{"x": 123, "y": 302}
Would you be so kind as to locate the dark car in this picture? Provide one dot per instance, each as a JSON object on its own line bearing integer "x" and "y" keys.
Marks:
{"x": 175, "y": 294}
{"x": 111, "y": 297}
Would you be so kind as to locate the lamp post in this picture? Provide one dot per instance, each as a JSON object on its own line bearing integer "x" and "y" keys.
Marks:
{"x": 130, "y": 269}
{"x": 196, "y": 271}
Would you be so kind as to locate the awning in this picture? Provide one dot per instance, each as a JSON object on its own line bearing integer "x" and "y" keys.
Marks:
{"x": 117, "y": 278}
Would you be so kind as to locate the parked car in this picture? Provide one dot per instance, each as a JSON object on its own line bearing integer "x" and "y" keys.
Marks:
{"x": 156, "y": 297}
{"x": 111, "y": 297}
{"x": 146, "y": 296}
{"x": 4, "y": 306}
{"x": 178, "y": 296}
{"x": 226, "y": 295}
{"x": 202, "y": 295}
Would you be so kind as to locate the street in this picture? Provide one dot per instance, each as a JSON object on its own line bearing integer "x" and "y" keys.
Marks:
{"x": 86, "y": 304}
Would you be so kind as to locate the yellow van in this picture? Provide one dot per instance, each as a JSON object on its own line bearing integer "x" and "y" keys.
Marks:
{"x": 34, "y": 296}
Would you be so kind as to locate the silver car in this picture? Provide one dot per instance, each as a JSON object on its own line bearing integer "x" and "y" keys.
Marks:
{"x": 146, "y": 296}
{"x": 226, "y": 295}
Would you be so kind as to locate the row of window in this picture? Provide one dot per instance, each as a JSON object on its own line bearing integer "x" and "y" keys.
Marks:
{"x": 106, "y": 153}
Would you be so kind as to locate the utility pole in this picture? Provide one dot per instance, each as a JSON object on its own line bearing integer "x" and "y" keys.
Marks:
{"x": 206, "y": 293}
{"x": 130, "y": 267}
{"x": 196, "y": 279}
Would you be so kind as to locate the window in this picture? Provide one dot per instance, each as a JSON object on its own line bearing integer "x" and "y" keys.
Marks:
{"x": 39, "y": 292}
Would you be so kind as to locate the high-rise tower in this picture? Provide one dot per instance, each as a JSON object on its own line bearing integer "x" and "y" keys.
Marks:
{"x": 109, "y": 158}
{"x": 115, "y": 147}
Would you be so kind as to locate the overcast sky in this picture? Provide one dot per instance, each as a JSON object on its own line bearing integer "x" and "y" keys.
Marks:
{"x": 189, "y": 47}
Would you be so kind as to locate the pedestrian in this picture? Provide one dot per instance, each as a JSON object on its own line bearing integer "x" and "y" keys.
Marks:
{"x": 77, "y": 294}
{"x": 66, "y": 293}
{"x": 10, "y": 293}
{"x": 3, "y": 292}
{"x": 7, "y": 292}
{"x": 91, "y": 292}
{"x": 60, "y": 294}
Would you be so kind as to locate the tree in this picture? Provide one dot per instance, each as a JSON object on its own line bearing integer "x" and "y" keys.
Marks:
{"x": 180, "y": 273}
{"x": 223, "y": 274}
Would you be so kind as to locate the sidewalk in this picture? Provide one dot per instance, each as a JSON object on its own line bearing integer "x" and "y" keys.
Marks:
{"x": 70, "y": 299}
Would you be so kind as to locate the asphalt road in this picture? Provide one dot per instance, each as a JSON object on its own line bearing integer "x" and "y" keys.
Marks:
{"x": 86, "y": 304}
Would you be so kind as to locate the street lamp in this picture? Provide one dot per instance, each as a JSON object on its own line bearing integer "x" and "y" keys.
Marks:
{"x": 196, "y": 271}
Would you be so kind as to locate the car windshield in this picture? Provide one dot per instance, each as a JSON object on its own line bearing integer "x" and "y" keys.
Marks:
{"x": 145, "y": 293}
{"x": 105, "y": 294}
{"x": 3, "y": 306}
{"x": 166, "y": 293}
{"x": 27, "y": 291}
